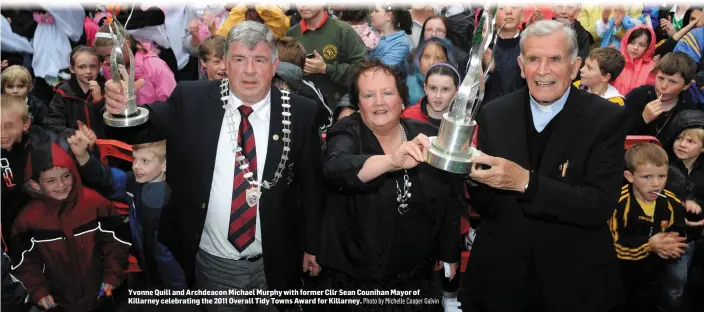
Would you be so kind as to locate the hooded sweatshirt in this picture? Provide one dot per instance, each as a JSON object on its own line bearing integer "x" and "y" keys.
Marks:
{"x": 13, "y": 162}
{"x": 159, "y": 80}
{"x": 67, "y": 248}
{"x": 636, "y": 72}
{"x": 686, "y": 184}
{"x": 416, "y": 79}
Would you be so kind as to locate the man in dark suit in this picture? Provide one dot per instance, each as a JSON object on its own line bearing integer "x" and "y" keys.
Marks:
{"x": 244, "y": 167}
{"x": 546, "y": 185}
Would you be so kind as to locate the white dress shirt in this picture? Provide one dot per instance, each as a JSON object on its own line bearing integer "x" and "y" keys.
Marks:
{"x": 217, "y": 222}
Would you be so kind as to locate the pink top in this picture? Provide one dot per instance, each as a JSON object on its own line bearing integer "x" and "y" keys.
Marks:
{"x": 636, "y": 72}
{"x": 91, "y": 28}
{"x": 159, "y": 81}
{"x": 368, "y": 35}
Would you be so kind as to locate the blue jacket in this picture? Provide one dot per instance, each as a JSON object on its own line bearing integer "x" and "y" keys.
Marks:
{"x": 155, "y": 260}
{"x": 392, "y": 49}
{"x": 693, "y": 45}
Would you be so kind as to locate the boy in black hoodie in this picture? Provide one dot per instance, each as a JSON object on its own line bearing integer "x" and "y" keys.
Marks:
{"x": 80, "y": 98}
{"x": 685, "y": 143}
{"x": 650, "y": 108}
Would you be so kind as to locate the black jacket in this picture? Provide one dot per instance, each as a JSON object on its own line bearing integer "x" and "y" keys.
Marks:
{"x": 635, "y": 103}
{"x": 191, "y": 119}
{"x": 460, "y": 34}
{"x": 529, "y": 243}
{"x": 70, "y": 104}
{"x": 687, "y": 185}
{"x": 13, "y": 293}
{"x": 152, "y": 16}
{"x": 358, "y": 234}
{"x": 461, "y": 30}
{"x": 506, "y": 77}
{"x": 37, "y": 110}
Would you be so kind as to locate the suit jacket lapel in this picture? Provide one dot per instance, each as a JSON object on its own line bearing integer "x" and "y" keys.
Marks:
{"x": 276, "y": 136}
{"x": 213, "y": 112}
{"x": 563, "y": 132}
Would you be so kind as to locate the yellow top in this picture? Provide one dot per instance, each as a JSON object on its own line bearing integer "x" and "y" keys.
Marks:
{"x": 272, "y": 15}
{"x": 648, "y": 208}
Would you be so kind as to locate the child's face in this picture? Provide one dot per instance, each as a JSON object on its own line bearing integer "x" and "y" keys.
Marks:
{"x": 432, "y": 54}
{"x": 214, "y": 67}
{"x": 17, "y": 89}
{"x": 56, "y": 183}
{"x": 12, "y": 128}
{"x": 591, "y": 73}
{"x": 669, "y": 86}
{"x": 440, "y": 90}
{"x": 637, "y": 47}
{"x": 647, "y": 179}
{"x": 511, "y": 15}
{"x": 106, "y": 50}
{"x": 146, "y": 166}
{"x": 687, "y": 147}
{"x": 86, "y": 67}
{"x": 567, "y": 11}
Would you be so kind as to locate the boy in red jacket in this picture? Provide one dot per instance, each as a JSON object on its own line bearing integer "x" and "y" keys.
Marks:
{"x": 67, "y": 251}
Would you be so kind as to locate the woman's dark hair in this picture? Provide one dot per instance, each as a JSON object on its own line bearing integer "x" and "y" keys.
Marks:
{"x": 82, "y": 49}
{"x": 640, "y": 32}
{"x": 350, "y": 15}
{"x": 400, "y": 18}
{"x": 444, "y": 22}
{"x": 371, "y": 63}
{"x": 444, "y": 69}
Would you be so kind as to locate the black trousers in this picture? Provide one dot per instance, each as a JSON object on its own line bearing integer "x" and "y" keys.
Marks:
{"x": 642, "y": 283}
{"x": 419, "y": 279}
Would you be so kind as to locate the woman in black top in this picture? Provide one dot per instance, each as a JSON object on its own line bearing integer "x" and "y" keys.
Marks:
{"x": 390, "y": 215}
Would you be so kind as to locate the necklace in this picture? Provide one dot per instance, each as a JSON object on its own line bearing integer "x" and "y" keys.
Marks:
{"x": 254, "y": 191}
{"x": 402, "y": 197}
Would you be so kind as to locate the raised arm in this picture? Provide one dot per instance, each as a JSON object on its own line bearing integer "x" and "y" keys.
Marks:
{"x": 163, "y": 116}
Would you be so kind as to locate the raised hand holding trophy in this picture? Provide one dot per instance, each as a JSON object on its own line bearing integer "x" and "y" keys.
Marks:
{"x": 132, "y": 115}
{"x": 452, "y": 149}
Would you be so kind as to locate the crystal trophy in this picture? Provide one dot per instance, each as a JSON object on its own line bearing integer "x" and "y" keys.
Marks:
{"x": 452, "y": 149}
{"x": 132, "y": 115}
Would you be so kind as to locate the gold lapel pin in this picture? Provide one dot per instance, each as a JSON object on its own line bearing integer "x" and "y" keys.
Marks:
{"x": 275, "y": 137}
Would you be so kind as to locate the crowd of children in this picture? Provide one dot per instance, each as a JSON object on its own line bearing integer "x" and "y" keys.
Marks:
{"x": 66, "y": 243}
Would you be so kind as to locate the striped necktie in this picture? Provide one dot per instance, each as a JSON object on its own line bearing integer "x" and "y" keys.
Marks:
{"x": 243, "y": 218}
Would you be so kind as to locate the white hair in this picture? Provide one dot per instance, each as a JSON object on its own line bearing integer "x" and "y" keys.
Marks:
{"x": 251, "y": 33}
{"x": 548, "y": 27}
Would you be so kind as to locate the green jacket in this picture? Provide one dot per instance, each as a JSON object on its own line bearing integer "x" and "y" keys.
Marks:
{"x": 341, "y": 47}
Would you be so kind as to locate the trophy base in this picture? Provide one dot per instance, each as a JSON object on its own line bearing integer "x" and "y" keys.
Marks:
{"x": 118, "y": 121}
{"x": 460, "y": 163}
